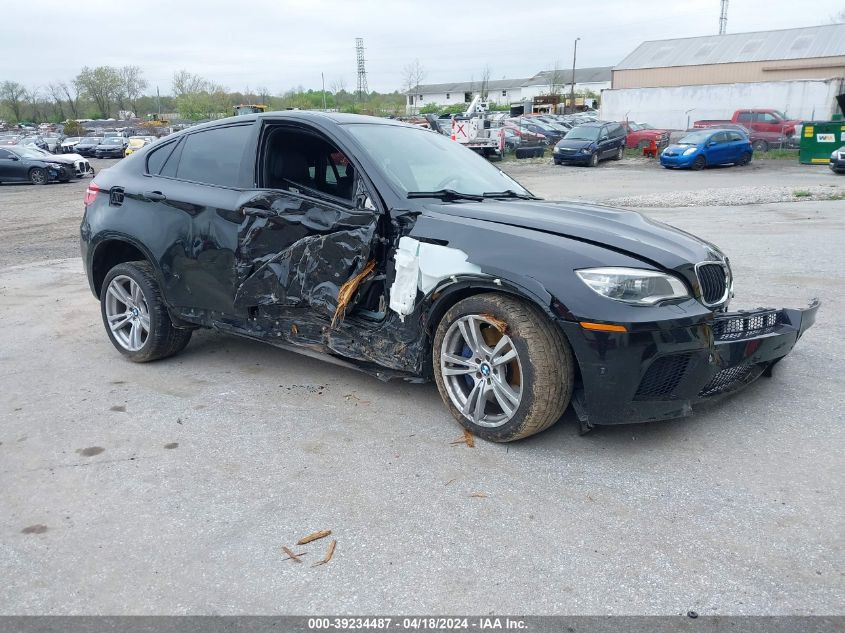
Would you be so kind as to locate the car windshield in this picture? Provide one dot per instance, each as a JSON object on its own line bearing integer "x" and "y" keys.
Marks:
{"x": 646, "y": 126}
{"x": 90, "y": 141}
{"x": 585, "y": 133}
{"x": 696, "y": 138}
{"x": 136, "y": 142}
{"x": 113, "y": 140}
{"x": 414, "y": 159}
{"x": 780, "y": 114}
{"x": 634, "y": 127}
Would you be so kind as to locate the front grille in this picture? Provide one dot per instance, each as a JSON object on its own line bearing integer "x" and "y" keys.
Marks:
{"x": 714, "y": 282}
{"x": 739, "y": 326}
{"x": 662, "y": 377}
{"x": 731, "y": 378}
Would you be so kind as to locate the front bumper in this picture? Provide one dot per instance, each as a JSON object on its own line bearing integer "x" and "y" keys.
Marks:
{"x": 661, "y": 373}
{"x": 572, "y": 157}
{"x": 837, "y": 165}
{"x": 678, "y": 161}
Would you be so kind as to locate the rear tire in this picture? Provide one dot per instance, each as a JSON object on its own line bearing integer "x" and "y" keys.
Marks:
{"x": 524, "y": 393}
{"x": 620, "y": 154}
{"x": 760, "y": 146}
{"x": 130, "y": 298}
{"x": 744, "y": 160}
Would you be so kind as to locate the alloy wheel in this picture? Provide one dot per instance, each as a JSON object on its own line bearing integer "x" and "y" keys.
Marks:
{"x": 127, "y": 313}
{"x": 481, "y": 370}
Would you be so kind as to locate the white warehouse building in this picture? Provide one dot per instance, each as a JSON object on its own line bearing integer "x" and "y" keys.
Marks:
{"x": 671, "y": 83}
{"x": 509, "y": 91}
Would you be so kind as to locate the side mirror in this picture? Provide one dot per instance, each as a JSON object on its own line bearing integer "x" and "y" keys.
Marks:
{"x": 603, "y": 138}
{"x": 13, "y": 157}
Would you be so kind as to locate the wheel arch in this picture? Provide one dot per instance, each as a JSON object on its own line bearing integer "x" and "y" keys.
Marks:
{"x": 114, "y": 250}
{"x": 442, "y": 298}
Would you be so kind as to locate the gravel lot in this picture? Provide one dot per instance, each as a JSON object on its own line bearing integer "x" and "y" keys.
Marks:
{"x": 170, "y": 488}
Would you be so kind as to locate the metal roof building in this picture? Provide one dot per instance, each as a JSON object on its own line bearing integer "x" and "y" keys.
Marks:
{"x": 509, "y": 90}
{"x": 816, "y": 52}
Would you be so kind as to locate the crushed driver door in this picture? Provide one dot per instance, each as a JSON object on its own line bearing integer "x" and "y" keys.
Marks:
{"x": 297, "y": 251}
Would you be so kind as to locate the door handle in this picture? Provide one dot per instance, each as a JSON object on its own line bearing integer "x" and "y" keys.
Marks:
{"x": 258, "y": 213}
{"x": 154, "y": 196}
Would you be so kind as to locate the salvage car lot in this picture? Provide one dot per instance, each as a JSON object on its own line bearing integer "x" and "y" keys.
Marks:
{"x": 736, "y": 510}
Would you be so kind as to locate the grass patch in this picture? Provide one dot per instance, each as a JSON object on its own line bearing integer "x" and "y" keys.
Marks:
{"x": 801, "y": 193}
{"x": 778, "y": 154}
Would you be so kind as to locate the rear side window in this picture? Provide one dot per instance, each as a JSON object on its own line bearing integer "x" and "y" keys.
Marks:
{"x": 157, "y": 158}
{"x": 214, "y": 156}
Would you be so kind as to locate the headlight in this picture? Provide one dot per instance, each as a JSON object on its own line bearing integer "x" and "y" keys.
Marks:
{"x": 690, "y": 150}
{"x": 633, "y": 285}
{"x": 585, "y": 150}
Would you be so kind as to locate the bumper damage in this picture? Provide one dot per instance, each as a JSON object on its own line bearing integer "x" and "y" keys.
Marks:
{"x": 663, "y": 372}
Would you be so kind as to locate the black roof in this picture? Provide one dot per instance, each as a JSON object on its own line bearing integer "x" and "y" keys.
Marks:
{"x": 341, "y": 118}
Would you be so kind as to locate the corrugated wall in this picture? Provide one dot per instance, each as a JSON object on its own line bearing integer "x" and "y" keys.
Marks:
{"x": 676, "y": 107}
{"x": 819, "y": 68}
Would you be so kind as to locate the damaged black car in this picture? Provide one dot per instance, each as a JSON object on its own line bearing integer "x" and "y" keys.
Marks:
{"x": 387, "y": 248}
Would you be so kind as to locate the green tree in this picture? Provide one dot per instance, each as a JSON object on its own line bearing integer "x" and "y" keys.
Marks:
{"x": 13, "y": 95}
{"x": 103, "y": 85}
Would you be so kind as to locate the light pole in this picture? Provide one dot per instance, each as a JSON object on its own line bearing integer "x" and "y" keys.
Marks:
{"x": 572, "y": 93}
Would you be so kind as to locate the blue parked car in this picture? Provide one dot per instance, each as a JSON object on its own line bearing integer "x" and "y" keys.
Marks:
{"x": 702, "y": 148}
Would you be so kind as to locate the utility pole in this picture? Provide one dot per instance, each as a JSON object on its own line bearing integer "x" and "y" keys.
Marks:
{"x": 723, "y": 18}
{"x": 572, "y": 92}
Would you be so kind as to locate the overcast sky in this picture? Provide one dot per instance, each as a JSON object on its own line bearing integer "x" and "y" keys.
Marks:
{"x": 282, "y": 44}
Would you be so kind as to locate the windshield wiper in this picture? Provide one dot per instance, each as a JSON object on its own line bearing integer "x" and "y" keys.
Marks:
{"x": 509, "y": 193}
{"x": 445, "y": 194}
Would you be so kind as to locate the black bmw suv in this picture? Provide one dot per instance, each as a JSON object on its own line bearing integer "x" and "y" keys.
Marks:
{"x": 398, "y": 252}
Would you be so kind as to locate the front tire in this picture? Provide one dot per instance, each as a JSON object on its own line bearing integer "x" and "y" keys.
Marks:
{"x": 699, "y": 163}
{"x": 502, "y": 367}
{"x": 38, "y": 176}
{"x": 135, "y": 316}
{"x": 594, "y": 160}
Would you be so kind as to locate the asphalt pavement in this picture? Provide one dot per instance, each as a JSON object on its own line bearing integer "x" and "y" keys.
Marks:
{"x": 171, "y": 488}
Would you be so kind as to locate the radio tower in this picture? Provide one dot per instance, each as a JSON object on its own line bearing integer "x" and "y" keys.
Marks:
{"x": 723, "y": 18}
{"x": 362, "y": 91}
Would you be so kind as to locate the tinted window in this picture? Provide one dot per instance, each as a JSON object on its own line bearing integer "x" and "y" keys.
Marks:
{"x": 615, "y": 130}
{"x": 5, "y": 154}
{"x": 735, "y": 136}
{"x": 156, "y": 158}
{"x": 214, "y": 156}
{"x": 720, "y": 137}
{"x": 744, "y": 116}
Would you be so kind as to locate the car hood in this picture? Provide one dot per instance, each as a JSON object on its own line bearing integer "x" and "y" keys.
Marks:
{"x": 624, "y": 231}
{"x": 574, "y": 144}
{"x": 680, "y": 149}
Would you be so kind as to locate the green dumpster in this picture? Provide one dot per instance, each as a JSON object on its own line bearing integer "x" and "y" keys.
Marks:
{"x": 819, "y": 139}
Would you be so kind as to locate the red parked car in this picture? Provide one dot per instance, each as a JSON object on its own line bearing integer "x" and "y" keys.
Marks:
{"x": 641, "y": 135}
{"x": 756, "y": 120}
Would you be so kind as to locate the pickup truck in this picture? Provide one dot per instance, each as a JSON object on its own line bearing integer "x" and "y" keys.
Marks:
{"x": 756, "y": 119}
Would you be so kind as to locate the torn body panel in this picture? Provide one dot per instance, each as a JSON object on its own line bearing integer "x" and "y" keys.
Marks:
{"x": 296, "y": 252}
